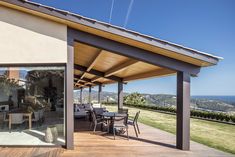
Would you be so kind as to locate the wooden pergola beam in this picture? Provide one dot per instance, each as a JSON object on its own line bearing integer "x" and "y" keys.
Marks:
{"x": 82, "y": 86}
{"x": 149, "y": 74}
{"x": 92, "y": 63}
{"x": 97, "y": 73}
{"x": 86, "y": 80}
{"x": 133, "y": 52}
{"x": 94, "y": 60}
{"x": 120, "y": 67}
{"x": 95, "y": 78}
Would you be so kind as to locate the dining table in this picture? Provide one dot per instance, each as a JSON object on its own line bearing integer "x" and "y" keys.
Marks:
{"x": 24, "y": 113}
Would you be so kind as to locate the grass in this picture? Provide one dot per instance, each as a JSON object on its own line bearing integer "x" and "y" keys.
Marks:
{"x": 213, "y": 134}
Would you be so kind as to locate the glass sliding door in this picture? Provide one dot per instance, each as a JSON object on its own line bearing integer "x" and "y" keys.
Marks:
{"x": 32, "y": 105}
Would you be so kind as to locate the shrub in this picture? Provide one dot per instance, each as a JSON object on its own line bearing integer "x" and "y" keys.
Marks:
{"x": 232, "y": 118}
{"x": 195, "y": 113}
{"x": 227, "y": 118}
{"x": 221, "y": 116}
{"x": 212, "y": 115}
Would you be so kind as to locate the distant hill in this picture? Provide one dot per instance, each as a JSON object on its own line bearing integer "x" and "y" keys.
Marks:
{"x": 215, "y": 103}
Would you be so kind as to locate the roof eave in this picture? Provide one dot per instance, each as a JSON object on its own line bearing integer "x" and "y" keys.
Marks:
{"x": 65, "y": 15}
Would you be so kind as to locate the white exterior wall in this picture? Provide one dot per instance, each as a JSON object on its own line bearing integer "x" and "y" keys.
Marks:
{"x": 25, "y": 38}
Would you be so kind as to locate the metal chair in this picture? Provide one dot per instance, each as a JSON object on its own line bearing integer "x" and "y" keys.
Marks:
{"x": 41, "y": 115}
{"x": 96, "y": 121}
{"x": 36, "y": 117}
{"x": 99, "y": 112}
{"x": 120, "y": 122}
{"x": 134, "y": 123}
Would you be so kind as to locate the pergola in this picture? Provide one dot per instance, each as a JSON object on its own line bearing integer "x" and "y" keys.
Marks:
{"x": 99, "y": 61}
{"x": 96, "y": 67}
{"x": 100, "y": 53}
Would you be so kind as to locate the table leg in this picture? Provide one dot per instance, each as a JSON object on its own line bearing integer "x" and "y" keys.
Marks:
{"x": 9, "y": 122}
{"x": 30, "y": 121}
{"x": 111, "y": 125}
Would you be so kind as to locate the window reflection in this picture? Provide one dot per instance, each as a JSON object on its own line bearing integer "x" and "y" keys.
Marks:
{"x": 32, "y": 106}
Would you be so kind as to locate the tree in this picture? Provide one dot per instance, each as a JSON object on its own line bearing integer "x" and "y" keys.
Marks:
{"x": 7, "y": 85}
{"x": 134, "y": 98}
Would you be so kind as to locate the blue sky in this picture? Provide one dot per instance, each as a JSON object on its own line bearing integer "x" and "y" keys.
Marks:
{"x": 205, "y": 25}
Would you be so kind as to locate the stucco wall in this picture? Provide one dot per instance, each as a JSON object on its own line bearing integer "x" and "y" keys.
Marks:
{"x": 26, "y": 38}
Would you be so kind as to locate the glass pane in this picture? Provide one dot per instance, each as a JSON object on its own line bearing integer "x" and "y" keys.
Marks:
{"x": 32, "y": 105}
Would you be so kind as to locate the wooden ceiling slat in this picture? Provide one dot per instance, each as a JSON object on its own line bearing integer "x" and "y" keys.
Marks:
{"x": 85, "y": 80}
{"x": 94, "y": 60}
{"x": 120, "y": 67}
{"x": 149, "y": 74}
{"x": 95, "y": 78}
{"x": 92, "y": 63}
{"x": 95, "y": 65}
{"x": 97, "y": 73}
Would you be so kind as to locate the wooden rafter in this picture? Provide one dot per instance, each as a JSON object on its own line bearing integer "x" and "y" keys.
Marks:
{"x": 120, "y": 67}
{"x": 92, "y": 64}
{"x": 97, "y": 73}
{"x": 94, "y": 60}
{"x": 86, "y": 80}
{"x": 95, "y": 78}
{"x": 154, "y": 73}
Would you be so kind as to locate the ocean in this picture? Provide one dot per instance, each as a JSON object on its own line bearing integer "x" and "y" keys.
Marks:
{"x": 228, "y": 99}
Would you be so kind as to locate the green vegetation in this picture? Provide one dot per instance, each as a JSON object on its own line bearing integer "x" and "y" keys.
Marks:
{"x": 217, "y": 135}
{"x": 134, "y": 98}
{"x": 219, "y": 116}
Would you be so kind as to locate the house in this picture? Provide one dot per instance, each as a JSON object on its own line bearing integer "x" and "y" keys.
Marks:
{"x": 53, "y": 52}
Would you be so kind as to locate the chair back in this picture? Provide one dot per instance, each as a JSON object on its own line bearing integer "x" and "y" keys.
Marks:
{"x": 120, "y": 119}
{"x": 41, "y": 113}
{"x": 17, "y": 118}
{"x": 98, "y": 111}
{"x": 136, "y": 116}
{"x": 4, "y": 108}
{"x": 88, "y": 107}
{"x": 36, "y": 115}
{"x": 123, "y": 110}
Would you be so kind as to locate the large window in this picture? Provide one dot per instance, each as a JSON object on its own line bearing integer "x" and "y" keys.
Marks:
{"x": 32, "y": 105}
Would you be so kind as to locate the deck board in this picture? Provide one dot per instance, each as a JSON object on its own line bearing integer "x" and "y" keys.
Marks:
{"x": 151, "y": 143}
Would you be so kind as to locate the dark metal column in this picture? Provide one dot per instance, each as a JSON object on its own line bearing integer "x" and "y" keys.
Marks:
{"x": 89, "y": 97}
{"x": 69, "y": 121}
{"x": 99, "y": 93}
{"x": 183, "y": 111}
{"x": 120, "y": 95}
{"x": 81, "y": 95}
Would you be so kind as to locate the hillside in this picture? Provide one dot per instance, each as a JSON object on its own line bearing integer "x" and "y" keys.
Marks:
{"x": 165, "y": 100}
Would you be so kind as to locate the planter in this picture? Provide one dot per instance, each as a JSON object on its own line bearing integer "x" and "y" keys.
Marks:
{"x": 51, "y": 134}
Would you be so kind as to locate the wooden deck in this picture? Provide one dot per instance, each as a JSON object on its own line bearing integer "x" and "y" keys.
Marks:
{"x": 151, "y": 143}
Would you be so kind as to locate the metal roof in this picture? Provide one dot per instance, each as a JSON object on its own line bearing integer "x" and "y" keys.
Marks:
{"x": 116, "y": 30}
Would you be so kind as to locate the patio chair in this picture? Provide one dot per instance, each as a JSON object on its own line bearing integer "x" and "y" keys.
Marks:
{"x": 88, "y": 107}
{"x": 36, "y": 117}
{"x": 97, "y": 121}
{"x": 4, "y": 108}
{"x": 99, "y": 112}
{"x": 120, "y": 123}
{"x": 123, "y": 110}
{"x": 17, "y": 118}
{"x": 41, "y": 115}
{"x": 134, "y": 123}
